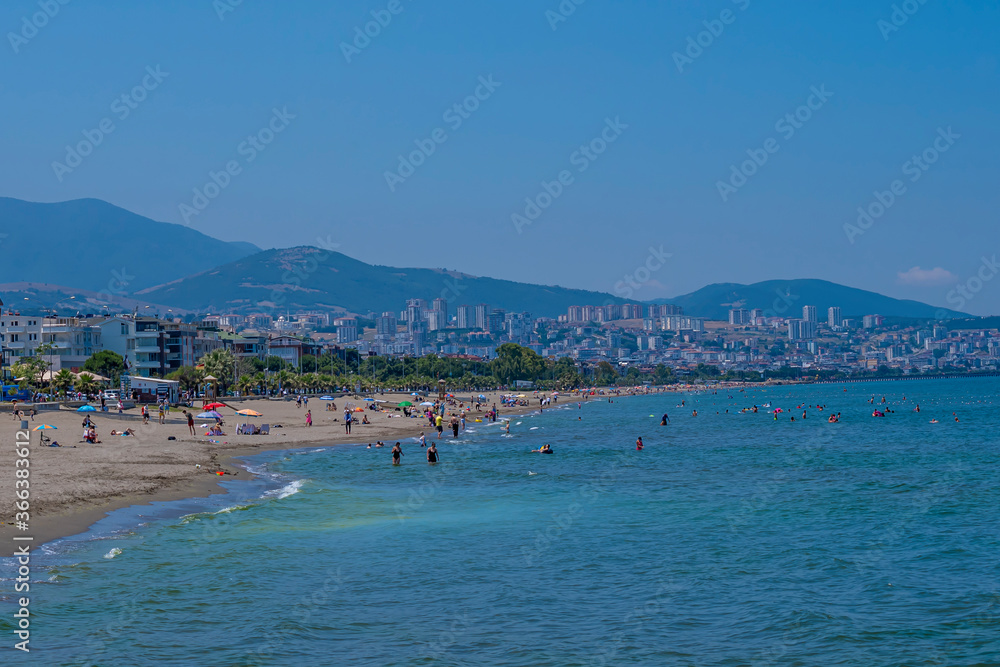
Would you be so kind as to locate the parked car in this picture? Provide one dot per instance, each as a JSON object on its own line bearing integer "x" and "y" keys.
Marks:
{"x": 110, "y": 395}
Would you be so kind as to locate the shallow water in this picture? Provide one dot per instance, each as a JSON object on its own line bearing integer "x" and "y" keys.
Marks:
{"x": 732, "y": 539}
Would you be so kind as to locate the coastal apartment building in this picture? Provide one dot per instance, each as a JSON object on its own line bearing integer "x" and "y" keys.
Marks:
{"x": 73, "y": 340}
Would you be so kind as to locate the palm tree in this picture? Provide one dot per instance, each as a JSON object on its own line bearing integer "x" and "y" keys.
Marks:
{"x": 86, "y": 384}
{"x": 63, "y": 380}
{"x": 220, "y": 364}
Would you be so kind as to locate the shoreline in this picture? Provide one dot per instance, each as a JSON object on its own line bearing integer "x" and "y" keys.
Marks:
{"x": 92, "y": 504}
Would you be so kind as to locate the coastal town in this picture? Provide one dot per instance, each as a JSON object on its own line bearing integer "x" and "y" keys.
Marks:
{"x": 633, "y": 342}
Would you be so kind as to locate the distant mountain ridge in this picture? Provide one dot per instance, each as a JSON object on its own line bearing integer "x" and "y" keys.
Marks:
{"x": 785, "y": 298}
{"x": 87, "y": 254}
{"x": 309, "y": 278}
{"x": 93, "y": 245}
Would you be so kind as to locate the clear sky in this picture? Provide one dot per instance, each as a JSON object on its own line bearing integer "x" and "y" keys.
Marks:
{"x": 886, "y": 92}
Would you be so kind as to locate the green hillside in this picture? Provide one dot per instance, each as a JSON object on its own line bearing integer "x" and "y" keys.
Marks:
{"x": 785, "y": 298}
{"x": 90, "y": 244}
{"x": 306, "y": 278}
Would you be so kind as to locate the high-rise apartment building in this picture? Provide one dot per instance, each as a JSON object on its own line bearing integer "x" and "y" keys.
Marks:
{"x": 465, "y": 317}
{"x": 834, "y": 317}
{"x": 809, "y": 314}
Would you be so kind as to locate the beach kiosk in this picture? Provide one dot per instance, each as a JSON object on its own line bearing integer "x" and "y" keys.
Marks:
{"x": 151, "y": 390}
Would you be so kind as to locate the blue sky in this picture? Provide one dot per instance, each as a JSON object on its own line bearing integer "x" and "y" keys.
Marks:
{"x": 556, "y": 84}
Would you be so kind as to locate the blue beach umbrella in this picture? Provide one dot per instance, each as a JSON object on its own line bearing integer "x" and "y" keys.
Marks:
{"x": 369, "y": 399}
{"x": 211, "y": 414}
{"x": 327, "y": 398}
{"x": 86, "y": 408}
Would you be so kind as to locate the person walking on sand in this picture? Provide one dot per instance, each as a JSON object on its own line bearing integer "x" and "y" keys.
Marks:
{"x": 397, "y": 451}
{"x": 160, "y": 406}
{"x": 432, "y": 454}
{"x": 309, "y": 418}
{"x": 190, "y": 417}
{"x": 347, "y": 421}
{"x": 145, "y": 413}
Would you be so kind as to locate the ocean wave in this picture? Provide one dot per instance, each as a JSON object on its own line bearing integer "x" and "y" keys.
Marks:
{"x": 113, "y": 553}
{"x": 288, "y": 490}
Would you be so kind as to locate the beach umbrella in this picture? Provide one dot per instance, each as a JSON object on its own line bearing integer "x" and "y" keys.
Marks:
{"x": 211, "y": 414}
{"x": 359, "y": 409}
{"x": 370, "y": 400}
{"x": 415, "y": 394}
{"x": 327, "y": 398}
{"x": 426, "y": 403}
{"x": 45, "y": 427}
{"x": 86, "y": 408}
{"x": 407, "y": 404}
{"x": 249, "y": 413}
{"x": 213, "y": 406}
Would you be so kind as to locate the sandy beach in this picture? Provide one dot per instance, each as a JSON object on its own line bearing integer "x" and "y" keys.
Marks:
{"x": 76, "y": 484}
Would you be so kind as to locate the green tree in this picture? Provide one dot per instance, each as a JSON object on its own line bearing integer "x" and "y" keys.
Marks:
{"x": 86, "y": 383}
{"x": 605, "y": 374}
{"x": 220, "y": 364}
{"x": 107, "y": 363}
{"x": 189, "y": 377}
{"x": 63, "y": 380}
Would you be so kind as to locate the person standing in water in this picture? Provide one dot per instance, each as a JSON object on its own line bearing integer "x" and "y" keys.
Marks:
{"x": 638, "y": 444}
{"x": 397, "y": 451}
{"x": 432, "y": 454}
{"x": 665, "y": 420}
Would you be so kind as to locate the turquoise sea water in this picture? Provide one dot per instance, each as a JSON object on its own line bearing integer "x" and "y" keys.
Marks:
{"x": 732, "y": 539}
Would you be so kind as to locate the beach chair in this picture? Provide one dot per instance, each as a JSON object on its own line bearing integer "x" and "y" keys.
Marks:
{"x": 265, "y": 429}
{"x": 240, "y": 429}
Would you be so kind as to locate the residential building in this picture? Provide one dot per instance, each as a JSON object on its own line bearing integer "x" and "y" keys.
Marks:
{"x": 833, "y": 317}
{"x": 739, "y": 316}
{"x": 465, "y": 317}
{"x": 809, "y": 314}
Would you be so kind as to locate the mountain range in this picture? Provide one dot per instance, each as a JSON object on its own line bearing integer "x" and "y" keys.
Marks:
{"x": 83, "y": 255}
{"x": 93, "y": 245}
{"x": 785, "y": 298}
